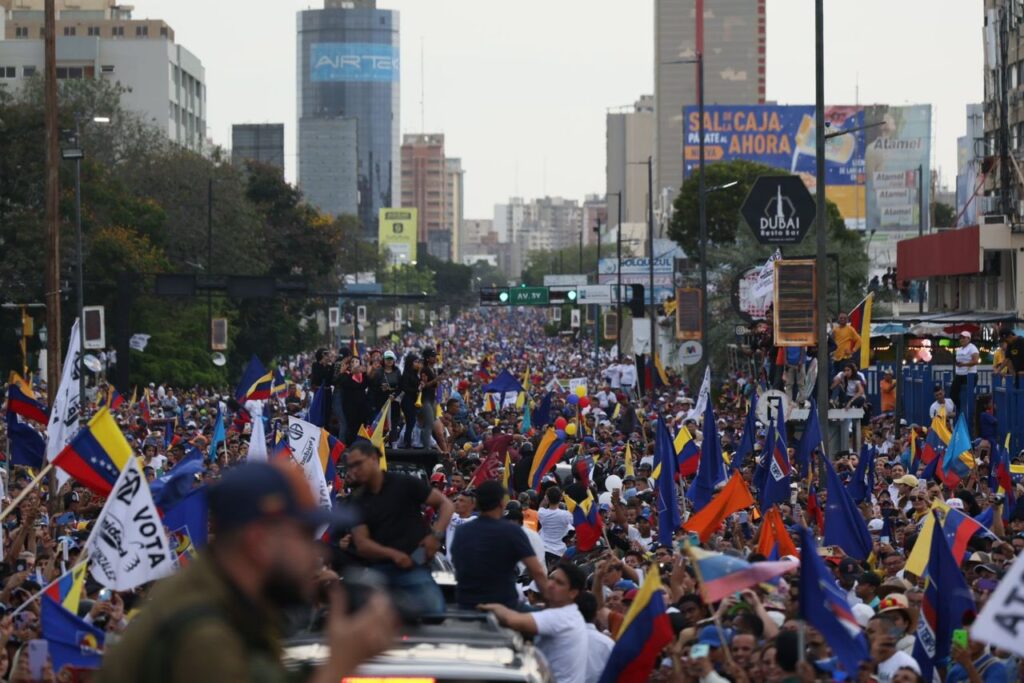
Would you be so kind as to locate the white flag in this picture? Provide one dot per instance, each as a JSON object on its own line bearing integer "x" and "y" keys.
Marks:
{"x": 304, "y": 440}
{"x": 138, "y": 342}
{"x": 1001, "y": 622}
{"x": 765, "y": 283}
{"x": 129, "y": 546}
{"x": 702, "y": 398}
{"x": 257, "y": 441}
{"x": 64, "y": 416}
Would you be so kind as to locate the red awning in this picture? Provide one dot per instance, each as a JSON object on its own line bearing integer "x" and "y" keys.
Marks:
{"x": 950, "y": 252}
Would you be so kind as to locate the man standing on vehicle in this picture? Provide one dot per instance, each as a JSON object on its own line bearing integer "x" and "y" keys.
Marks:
{"x": 220, "y": 618}
{"x": 393, "y": 536}
{"x": 486, "y": 554}
{"x": 560, "y": 629}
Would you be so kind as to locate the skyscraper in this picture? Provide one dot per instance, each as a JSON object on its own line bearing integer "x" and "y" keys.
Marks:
{"x": 734, "y": 71}
{"x": 629, "y": 139}
{"x": 348, "y": 70}
{"x": 455, "y": 203}
{"x": 425, "y": 187}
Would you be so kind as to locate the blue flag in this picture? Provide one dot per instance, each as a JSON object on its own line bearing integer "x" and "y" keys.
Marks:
{"x": 320, "y": 407}
{"x": 844, "y": 525}
{"x": 863, "y": 482}
{"x": 27, "y": 446}
{"x": 218, "y": 435}
{"x": 176, "y": 484}
{"x": 776, "y": 464}
{"x": 72, "y": 642}
{"x": 824, "y": 606}
{"x": 946, "y": 598}
{"x": 541, "y": 416}
{"x": 810, "y": 441}
{"x": 668, "y": 505}
{"x": 711, "y": 470}
{"x": 746, "y": 446}
{"x": 186, "y": 523}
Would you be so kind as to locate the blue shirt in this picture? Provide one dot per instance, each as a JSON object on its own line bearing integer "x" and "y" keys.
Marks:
{"x": 988, "y": 667}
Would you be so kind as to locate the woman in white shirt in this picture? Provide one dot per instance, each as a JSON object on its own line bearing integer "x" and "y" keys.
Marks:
{"x": 967, "y": 360}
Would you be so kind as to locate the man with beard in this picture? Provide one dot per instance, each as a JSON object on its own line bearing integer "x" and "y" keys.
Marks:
{"x": 220, "y": 618}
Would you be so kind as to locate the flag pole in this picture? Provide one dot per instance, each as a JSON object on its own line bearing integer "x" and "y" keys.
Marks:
{"x": 31, "y": 485}
{"x": 83, "y": 559}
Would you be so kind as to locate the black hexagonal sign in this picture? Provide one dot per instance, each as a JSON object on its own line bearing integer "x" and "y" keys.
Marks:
{"x": 779, "y": 209}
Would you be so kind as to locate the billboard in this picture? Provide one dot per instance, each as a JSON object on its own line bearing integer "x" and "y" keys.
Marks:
{"x": 341, "y": 62}
{"x": 397, "y": 234}
{"x": 636, "y": 271}
{"x": 896, "y": 165}
{"x": 783, "y": 136}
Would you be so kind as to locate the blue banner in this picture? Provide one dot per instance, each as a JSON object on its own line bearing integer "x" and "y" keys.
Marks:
{"x": 348, "y": 62}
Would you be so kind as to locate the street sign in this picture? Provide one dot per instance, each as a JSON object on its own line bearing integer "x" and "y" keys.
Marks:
{"x": 564, "y": 280}
{"x": 600, "y": 295}
{"x": 779, "y": 209}
{"x": 690, "y": 353}
{"x": 528, "y": 296}
{"x": 333, "y": 317}
{"x": 574, "y": 320}
{"x": 94, "y": 327}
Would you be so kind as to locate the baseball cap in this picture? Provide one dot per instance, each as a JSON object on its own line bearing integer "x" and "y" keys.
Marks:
{"x": 908, "y": 480}
{"x": 259, "y": 491}
{"x": 965, "y": 333}
{"x": 876, "y": 525}
{"x": 849, "y": 566}
{"x": 955, "y": 503}
{"x": 389, "y": 354}
{"x": 709, "y": 636}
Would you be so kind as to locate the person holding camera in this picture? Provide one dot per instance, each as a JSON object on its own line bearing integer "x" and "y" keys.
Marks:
{"x": 351, "y": 384}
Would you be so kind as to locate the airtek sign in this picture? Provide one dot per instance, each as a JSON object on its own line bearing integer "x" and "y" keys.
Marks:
{"x": 341, "y": 62}
{"x": 779, "y": 209}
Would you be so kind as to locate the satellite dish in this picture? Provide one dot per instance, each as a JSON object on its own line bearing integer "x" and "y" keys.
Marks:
{"x": 92, "y": 362}
{"x": 218, "y": 359}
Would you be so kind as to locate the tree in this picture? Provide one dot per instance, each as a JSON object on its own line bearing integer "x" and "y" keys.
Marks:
{"x": 564, "y": 261}
{"x": 945, "y": 215}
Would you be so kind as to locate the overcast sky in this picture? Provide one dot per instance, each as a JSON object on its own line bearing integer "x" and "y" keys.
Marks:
{"x": 520, "y": 89}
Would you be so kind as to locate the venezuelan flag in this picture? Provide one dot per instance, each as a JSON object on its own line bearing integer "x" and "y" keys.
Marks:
{"x": 860, "y": 320}
{"x": 96, "y": 454}
{"x": 281, "y": 448}
{"x": 255, "y": 383}
{"x": 549, "y": 451}
{"x": 645, "y": 631}
{"x": 144, "y": 412}
{"x": 585, "y": 520}
{"x": 278, "y": 385}
{"x": 658, "y": 376}
{"x": 111, "y": 399}
{"x": 67, "y": 590}
{"x": 722, "y": 575}
{"x": 26, "y": 405}
{"x": 959, "y": 530}
{"x": 687, "y": 452}
{"x": 330, "y": 449}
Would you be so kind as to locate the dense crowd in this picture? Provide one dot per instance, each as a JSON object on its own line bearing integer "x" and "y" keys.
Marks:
{"x": 548, "y": 497}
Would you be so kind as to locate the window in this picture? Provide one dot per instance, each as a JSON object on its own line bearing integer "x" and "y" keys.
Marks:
{"x": 7, "y": 72}
{"x": 1018, "y": 134}
{"x": 163, "y": 31}
{"x": 70, "y": 72}
{"x": 28, "y": 71}
{"x": 117, "y": 31}
{"x": 1014, "y": 137}
{"x": 69, "y": 30}
{"x": 21, "y": 31}
{"x": 1012, "y": 76}
{"x": 107, "y": 68}
{"x": 141, "y": 30}
{"x": 94, "y": 30}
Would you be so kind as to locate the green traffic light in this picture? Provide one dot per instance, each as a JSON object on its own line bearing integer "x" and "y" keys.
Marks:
{"x": 571, "y": 295}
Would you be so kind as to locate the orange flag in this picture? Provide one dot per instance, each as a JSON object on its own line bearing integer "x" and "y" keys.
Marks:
{"x": 773, "y": 531}
{"x": 733, "y": 497}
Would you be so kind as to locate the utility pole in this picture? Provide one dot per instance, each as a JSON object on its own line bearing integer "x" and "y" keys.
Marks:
{"x": 53, "y": 345}
{"x": 820, "y": 214}
{"x": 653, "y": 311}
{"x": 209, "y": 256}
{"x": 702, "y": 197}
{"x": 618, "y": 277}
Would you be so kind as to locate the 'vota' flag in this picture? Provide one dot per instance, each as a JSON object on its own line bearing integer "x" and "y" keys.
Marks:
{"x": 959, "y": 530}
{"x": 20, "y": 403}
{"x": 549, "y": 451}
{"x": 255, "y": 383}
{"x": 27, "y": 446}
{"x": 844, "y": 525}
{"x": 688, "y": 454}
{"x": 809, "y": 442}
{"x": 776, "y": 484}
{"x": 946, "y": 599}
{"x": 668, "y": 505}
{"x": 823, "y": 605}
{"x": 541, "y": 416}
{"x": 585, "y": 520}
{"x": 746, "y": 447}
{"x": 712, "y": 468}
{"x": 96, "y": 455}
{"x": 645, "y": 631}
{"x": 959, "y": 460}
{"x": 72, "y": 641}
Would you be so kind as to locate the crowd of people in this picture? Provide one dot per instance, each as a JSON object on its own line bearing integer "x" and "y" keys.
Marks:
{"x": 549, "y": 500}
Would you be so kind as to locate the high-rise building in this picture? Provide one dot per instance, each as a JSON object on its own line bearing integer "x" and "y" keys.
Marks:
{"x": 164, "y": 83}
{"x": 734, "y": 72}
{"x": 262, "y": 142}
{"x": 454, "y": 203}
{"x": 629, "y": 139}
{"x": 425, "y": 187}
{"x": 348, "y": 69}
{"x": 594, "y": 214}
{"x": 328, "y": 171}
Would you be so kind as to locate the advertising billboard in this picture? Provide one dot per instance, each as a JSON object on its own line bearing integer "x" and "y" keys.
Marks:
{"x": 376, "y": 62}
{"x": 857, "y": 164}
{"x": 636, "y": 271}
{"x": 397, "y": 235}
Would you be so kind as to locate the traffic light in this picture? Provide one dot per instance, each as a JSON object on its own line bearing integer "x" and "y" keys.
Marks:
{"x": 494, "y": 296}
{"x": 636, "y": 301}
{"x": 562, "y": 295}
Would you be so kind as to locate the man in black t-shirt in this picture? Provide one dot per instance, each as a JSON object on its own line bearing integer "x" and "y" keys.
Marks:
{"x": 485, "y": 553}
{"x": 392, "y": 536}
{"x": 1014, "y": 350}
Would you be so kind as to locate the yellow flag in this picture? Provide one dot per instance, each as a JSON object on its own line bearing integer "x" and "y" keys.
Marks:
{"x": 74, "y": 596}
{"x": 629, "y": 461}
{"x": 918, "y": 560}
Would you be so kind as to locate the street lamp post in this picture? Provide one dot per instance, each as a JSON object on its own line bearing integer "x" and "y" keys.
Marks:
{"x": 618, "y": 270}
{"x": 597, "y": 308}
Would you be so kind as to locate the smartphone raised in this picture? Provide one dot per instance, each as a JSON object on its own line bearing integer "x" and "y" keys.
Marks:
{"x": 38, "y": 653}
{"x": 699, "y": 650}
{"x": 960, "y": 638}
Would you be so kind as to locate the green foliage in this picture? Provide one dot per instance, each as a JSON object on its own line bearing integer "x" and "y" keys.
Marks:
{"x": 945, "y": 215}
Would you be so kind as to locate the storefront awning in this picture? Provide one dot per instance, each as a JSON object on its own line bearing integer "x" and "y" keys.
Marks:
{"x": 950, "y": 252}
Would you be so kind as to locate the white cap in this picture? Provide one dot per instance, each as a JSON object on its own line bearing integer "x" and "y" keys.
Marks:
{"x": 965, "y": 333}
{"x": 955, "y": 503}
{"x": 875, "y": 525}
{"x": 862, "y": 613}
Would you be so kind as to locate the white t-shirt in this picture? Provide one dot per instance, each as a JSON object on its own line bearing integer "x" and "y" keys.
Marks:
{"x": 536, "y": 543}
{"x": 963, "y": 355}
{"x": 449, "y": 533}
{"x": 605, "y": 399}
{"x": 898, "y": 661}
{"x": 950, "y": 408}
{"x": 599, "y": 648}
{"x": 628, "y": 377}
{"x": 554, "y": 525}
{"x": 613, "y": 373}
{"x": 562, "y": 637}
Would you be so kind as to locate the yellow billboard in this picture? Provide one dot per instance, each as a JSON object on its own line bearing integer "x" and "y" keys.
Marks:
{"x": 397, "y": 235}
